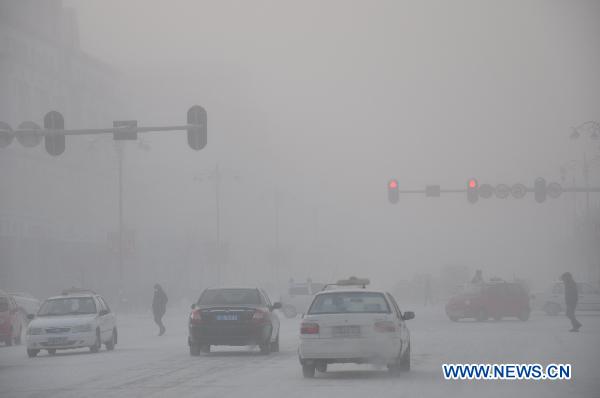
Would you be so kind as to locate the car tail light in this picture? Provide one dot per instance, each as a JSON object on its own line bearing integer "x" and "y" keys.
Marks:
{"x": 384, "y": 326}
{"x": 259, "y": 316}
{"x": 309, "y": 328}
{"x": 195, "y": 317}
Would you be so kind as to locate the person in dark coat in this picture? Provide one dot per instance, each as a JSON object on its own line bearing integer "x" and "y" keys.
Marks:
{"x": 159, "y": 307}
{"x": 571, "y": 297}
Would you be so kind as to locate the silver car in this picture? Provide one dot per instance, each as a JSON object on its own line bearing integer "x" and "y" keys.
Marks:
{"x": 554, "y": 300}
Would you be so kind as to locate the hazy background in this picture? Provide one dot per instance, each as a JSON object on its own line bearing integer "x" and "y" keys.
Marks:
{"x": 312, "y": 107}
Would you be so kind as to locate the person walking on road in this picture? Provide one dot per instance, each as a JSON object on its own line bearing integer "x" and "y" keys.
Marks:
{"x": 159, "y": 307}
{"x": 571, "y": 297}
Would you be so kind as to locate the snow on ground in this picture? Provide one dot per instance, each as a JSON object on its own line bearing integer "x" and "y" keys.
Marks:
{"x": 145, "y": 365}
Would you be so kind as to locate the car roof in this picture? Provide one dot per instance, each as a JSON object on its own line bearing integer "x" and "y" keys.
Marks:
{"x": 77, "y": 295}
{"x": 233, "y": 287}
{"x": 355, "y": 290}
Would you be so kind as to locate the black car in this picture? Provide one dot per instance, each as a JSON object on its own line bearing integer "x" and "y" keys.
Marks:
{"x": 233, "y": 317}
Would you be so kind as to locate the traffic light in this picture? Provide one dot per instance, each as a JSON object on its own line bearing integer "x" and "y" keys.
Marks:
{"x": 197, "y": 136}
{"x": 393, "y": 193}
{"x": 55, "y": 143}
{"x": 539, "y": 190}
{"x": 472, "y": 190}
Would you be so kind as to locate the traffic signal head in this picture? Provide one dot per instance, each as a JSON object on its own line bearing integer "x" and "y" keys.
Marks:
{"x": 472, "y": 190}
{"x": 393, "y": 192}
{"x": 55, "y": 143}
{"x": 196, "y": 132}
{"x": 540, "y": 190}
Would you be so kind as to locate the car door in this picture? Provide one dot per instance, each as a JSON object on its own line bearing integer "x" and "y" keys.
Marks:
{"x": 111, "y": 318}
{"x": 589, "y": 299}
{"x": 403, "y": 333}
{"x": 103, "y": 319}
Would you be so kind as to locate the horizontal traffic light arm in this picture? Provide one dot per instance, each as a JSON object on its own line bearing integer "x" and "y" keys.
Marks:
{"x": 110, "y": 130}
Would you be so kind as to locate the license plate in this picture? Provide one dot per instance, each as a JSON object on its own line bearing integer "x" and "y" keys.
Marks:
{"x": 57, "y": 340}
{"x": 346, "y": 331}
{"x": 227, "y": 317}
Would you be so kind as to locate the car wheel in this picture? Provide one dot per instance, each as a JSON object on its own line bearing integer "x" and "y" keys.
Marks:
{"x": 308, "y": 371}
{"x": 404, "y": 365}
{"x": 110, "y": 345}
{"x": 32, "y": 353}
{"x": 194, "y": 350}
{"x": 523, "y": 315}
{"x": 321, "y": 366}
{"x": 481, "y": 315}
{"x": 289, "y": 311}
{"x": 265, "y": 348}
{"x": 497, "y": 318}
{"x": 205, "y": 348}
{"x": 96, "y": 347}
{"x": 275, "y": 345}
{"x": 453, "y": 318}
{"x": 9, "y": 339}
{"x": 52, "y": 351}
{"x": 551, "y": 309}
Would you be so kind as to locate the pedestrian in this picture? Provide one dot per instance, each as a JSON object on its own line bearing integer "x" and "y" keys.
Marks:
{"x": 159, "y": 307}
{"x": 478, "y": 277}
{"x": 571, "y": 297}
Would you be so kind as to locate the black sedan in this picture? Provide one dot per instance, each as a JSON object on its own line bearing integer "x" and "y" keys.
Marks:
{"x": 233, "y": 317}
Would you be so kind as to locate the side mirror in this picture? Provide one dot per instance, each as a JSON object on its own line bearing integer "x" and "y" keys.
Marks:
{"x": 193, "y": 306}
{"x": 408, "y": 315}
{"x": 276, "y": 305}
{"x": 30, "y": 316}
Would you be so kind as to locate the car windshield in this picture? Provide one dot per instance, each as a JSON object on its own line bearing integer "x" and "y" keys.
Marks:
{"x": 229, "y": 297}
{"x": 68, "y": 306}
{"x": 3, "y": 304}
{"x": 349, "y": 302}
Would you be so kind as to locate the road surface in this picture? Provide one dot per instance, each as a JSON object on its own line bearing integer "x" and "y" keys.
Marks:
{"x": 145, "y": 365}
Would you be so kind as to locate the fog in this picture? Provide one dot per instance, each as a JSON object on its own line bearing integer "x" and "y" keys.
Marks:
{"x": 313, "y": 107}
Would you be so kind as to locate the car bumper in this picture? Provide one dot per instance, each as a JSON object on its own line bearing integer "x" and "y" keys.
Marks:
{"x": 233, "y": 335}
{"x": 61, "y": 341}
{"x": 350, "y": 350}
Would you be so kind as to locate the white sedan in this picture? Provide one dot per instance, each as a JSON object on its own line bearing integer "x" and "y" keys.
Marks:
{"x": 72, "y": 321}
{"x": 354, "y": 326}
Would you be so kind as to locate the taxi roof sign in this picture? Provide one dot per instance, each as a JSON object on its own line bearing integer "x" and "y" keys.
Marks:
{"x": 352, "y": 281}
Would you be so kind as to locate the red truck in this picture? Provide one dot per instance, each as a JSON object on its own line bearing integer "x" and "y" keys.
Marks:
{"x": 496, "y": 299}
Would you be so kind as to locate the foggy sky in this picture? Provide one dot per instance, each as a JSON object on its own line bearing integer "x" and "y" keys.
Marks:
{"x": 324, "y": 101}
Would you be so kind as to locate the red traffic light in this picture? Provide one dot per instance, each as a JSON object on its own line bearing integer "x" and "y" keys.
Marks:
{"x": 472, "y": 183}
{"x": 393, "y": 184}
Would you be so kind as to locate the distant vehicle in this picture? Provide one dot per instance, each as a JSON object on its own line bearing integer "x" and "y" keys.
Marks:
{"x": 299, "y": 297}
{"x": 554, "y": 299}
{"x": 233, "y": 317}
{"x": 352, "y": 324}
{"x": 72, "y": 320}
{"x": 496, "y": 299}
{"x": 11, "y": 320}
{"x": 26, "y": 302}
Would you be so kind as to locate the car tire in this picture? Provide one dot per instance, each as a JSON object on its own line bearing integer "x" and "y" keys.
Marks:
{"x": 275, "y": 345}
{"x": 31, "y": 353}
{"x": 289, "y": 311}
{"x": 481, "y": 315}
{"x": 453, "y": 318}
{"x": 9, "y": 339}
{"x": 97, "y": 344}
{"x": 523, "y": 315}
{"x": 308, "y": 371}
{"x": 52, "y": 351}
{"x": 404, "y": 364}
{"x": 110, "y": 345}
{"x": 194, "y": 350}
{"x": 551, "y": 309}
{"x": 205, "y": 348}
{"x": 321, "y": 367}
{"x": 265, "y": 348}
{"x": 498, "y": 318}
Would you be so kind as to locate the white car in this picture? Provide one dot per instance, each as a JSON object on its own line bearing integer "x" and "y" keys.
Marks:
{"x": 553, "y": 301}
{"x": 69, "y": 321}
{"x": 353, "y": 325}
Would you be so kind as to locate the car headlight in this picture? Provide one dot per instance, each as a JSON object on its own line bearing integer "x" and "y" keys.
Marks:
{"x": 82, "y": 328}
{"x": 35, "y": 331}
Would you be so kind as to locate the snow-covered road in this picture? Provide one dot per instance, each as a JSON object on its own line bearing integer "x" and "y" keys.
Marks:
{"x": 145, "y": 365}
